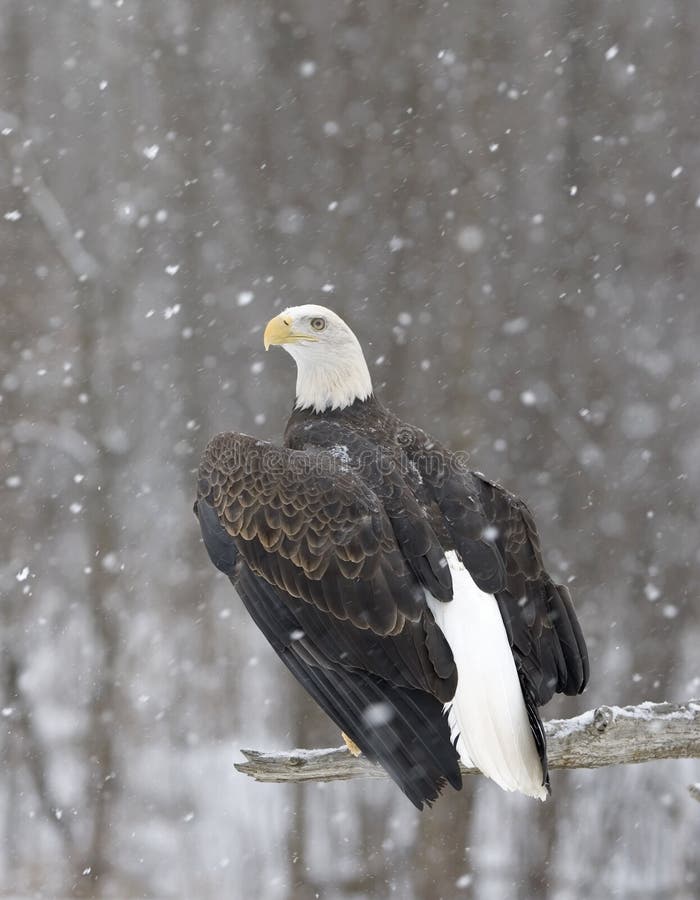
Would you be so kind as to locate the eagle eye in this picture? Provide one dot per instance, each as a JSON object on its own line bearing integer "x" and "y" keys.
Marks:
{"x": 318, "y": 323}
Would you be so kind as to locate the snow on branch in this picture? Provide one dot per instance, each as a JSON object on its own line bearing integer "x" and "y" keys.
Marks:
{"x": 606, "y": 736}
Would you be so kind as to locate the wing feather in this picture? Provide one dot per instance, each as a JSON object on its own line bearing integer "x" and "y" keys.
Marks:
{"x": 495, "y": 535}
{"x": 298, "y": 519}
{"x": 346, "y": 579}
{"x": 538, "y": 614}
{"x": 392, "y": 722}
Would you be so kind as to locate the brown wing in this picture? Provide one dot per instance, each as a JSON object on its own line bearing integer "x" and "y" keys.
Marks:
{"x": 543, "y": 630}
{"x": 540, "y": 619}
{"x": 311, "y": 552}
{"x": 311, "y": 528}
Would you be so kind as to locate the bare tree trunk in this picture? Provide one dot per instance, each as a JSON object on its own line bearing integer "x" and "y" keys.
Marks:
{"x": 98, "y": 318}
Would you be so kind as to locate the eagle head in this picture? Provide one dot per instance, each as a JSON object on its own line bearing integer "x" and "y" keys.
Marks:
{"x": 331, "y": 369}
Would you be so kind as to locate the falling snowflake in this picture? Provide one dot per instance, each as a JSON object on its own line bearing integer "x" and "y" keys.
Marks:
{"x": 470, "y": 239}
{"x": 307, "y": 68}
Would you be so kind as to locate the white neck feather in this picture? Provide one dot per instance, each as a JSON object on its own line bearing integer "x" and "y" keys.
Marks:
{"x": 332, "y": 378}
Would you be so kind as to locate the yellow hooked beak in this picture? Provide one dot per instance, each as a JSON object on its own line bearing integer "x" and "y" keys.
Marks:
{"x": 279, "y": 331}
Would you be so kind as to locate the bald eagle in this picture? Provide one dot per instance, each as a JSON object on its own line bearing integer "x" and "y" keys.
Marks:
{"x": 406, "y": 593}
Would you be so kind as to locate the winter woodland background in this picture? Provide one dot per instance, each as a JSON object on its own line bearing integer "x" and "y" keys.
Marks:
{"x": 505, "y": 204}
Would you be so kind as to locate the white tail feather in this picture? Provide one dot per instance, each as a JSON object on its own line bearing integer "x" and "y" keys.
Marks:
{"x": 488, "y": 710}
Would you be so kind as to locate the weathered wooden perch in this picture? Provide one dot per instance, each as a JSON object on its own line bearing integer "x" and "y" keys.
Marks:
{"x": 606, "y": 736}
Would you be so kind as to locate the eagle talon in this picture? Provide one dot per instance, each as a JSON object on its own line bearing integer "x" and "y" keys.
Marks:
{"x": 351, "y": 745}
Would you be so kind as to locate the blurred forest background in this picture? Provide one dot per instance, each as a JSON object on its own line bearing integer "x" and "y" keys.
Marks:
{"x": 505, "y": 205}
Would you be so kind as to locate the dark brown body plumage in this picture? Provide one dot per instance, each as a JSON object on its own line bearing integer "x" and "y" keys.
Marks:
{"x": 332, "y": 541}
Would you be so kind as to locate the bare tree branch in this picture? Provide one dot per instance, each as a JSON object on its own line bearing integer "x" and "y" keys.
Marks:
{"x": 81, "y": 263}
{"x": 606, "y": 736}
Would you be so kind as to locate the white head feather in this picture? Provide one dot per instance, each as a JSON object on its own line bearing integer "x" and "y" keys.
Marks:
{"x": 331, "y": 369}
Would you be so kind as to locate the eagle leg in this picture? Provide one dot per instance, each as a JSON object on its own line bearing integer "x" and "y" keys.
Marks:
{"x": 351, "y": 745}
